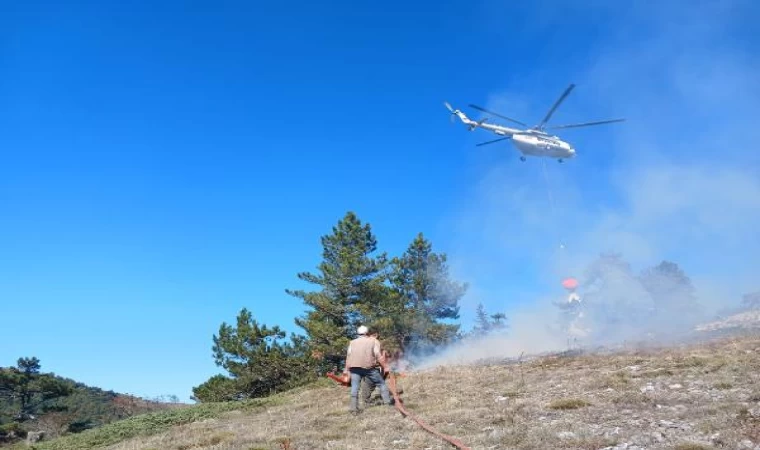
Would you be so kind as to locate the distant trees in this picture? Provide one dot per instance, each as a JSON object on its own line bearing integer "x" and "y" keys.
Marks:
{"x": 750, "y": 301}
{"x": 671, "y": 290}
{"x": 33, "y": 400}
{"x": 27, "y": 392}
{"x": 617, "y": 303}
{"x": 485, "y": 323}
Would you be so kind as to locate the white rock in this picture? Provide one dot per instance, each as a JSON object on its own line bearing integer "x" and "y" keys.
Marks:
{"x": 675, "y": 386}
{"x": 565, "y": 435}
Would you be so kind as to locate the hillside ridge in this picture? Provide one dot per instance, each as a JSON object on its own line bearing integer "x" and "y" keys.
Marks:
{"x": 700, "y": 395}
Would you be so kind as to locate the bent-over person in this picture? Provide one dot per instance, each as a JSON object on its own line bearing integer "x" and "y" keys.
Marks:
{"x": 364, "y": 359}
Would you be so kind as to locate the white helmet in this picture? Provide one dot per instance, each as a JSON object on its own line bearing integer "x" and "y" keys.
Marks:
{"x": 362, "y": 330}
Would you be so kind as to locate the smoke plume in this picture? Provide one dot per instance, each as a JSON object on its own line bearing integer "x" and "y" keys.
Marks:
{"x": 678, "y": 181}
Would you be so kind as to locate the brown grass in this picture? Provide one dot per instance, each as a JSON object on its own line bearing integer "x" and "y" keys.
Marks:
{"x": 568, "y": 403}
{"x": 691, "y": 446}
{"x": 686, "y": 398}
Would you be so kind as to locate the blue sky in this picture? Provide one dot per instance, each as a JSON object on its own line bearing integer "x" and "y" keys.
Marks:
{"x": 165, "y": 165}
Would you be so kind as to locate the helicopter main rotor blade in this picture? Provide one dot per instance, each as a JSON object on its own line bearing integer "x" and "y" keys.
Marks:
{"x": 491, "y": 142}
{"x": 540, "y": 126}
{"x": 497, "y": 115}
{"x": 586, "y": 124}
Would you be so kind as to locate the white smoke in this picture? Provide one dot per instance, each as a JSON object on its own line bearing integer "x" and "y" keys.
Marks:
{"x": 678, "y": 181}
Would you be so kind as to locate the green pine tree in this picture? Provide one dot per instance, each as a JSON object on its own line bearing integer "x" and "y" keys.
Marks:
{"x": 420, "y": 278}
{"x": 350, "y": 282}
{"x": 29, "y": 392}
{"x": 258, "y": 358}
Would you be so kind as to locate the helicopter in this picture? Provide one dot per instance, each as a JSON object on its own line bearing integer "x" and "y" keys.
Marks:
{"x": 530, "y": 141}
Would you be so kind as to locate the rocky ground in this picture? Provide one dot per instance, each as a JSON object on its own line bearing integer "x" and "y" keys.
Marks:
{"x": 700, "y": 396}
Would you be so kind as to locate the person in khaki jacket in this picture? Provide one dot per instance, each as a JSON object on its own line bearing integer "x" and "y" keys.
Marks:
{"x": 365, "y": 360}
{"x": 367, "y": 387}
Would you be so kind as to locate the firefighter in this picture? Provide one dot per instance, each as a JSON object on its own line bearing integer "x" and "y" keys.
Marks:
{"x": 367, "y": 386}
{"x": 364, "y": 359}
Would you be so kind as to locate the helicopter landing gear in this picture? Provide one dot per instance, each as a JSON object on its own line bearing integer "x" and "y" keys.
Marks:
{"x": 522, "y": 158}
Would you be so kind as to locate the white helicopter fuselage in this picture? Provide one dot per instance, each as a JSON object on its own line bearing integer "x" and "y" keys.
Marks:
{"x": 528, "y": 142}
{"x": 538, "y": 145}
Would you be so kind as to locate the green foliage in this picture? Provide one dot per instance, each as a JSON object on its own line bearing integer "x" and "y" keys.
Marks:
{"x": 410, "y": 300}
{"x": 26, "y": 392}
{"x": 350, "y": 281}
{"x": 258, "y": 360}
{"x": 427, "y": 297}
{"x": 149, "y": 424}
{"x": 10, "y": 432}
{"x": 82, "y": 408}
{"x": 217, "y": 389}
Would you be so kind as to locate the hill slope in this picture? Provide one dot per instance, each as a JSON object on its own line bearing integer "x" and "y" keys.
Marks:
{"x": 86, "y": 407}
{"x": 690, "y": 397}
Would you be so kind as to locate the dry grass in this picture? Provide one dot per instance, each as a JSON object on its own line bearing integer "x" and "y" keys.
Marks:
{"x": 689, "y": 397}
{"x": 568, "y": 403}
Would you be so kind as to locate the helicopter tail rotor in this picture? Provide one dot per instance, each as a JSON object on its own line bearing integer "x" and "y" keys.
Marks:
{"x": 451, "y": 110}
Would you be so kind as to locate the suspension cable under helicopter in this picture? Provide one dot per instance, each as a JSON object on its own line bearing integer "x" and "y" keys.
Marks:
{"x": 551, "y": 205}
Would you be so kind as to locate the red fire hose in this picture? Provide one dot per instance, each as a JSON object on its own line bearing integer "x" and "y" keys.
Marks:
{"x": 391, "y": 380}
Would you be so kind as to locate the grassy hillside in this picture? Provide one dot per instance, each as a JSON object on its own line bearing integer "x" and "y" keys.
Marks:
{"x": 689, "y": 397}
{"x": 87, "y": 407}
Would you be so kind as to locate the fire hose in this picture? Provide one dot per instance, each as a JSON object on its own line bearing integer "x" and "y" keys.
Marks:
{"x": 391, "y": 381}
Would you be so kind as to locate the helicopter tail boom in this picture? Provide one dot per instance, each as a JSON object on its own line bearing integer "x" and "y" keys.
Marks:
{"x": 455, "y": 112}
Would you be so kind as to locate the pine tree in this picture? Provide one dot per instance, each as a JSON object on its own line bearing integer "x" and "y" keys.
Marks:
{"x": 28, "y": 391}
{"x": 350, "y": 282}
{"x": 499, "y": 321}
{"x": 672, "y": 292}
{"x": 485, "y": 323}
{"x": 258, "y": 359}
{"x": 482, "y": 324}
{"x": 421, "y": 280}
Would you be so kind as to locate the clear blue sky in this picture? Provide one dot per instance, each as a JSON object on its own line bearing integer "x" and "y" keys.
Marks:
{"x": 165, "y": 164}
